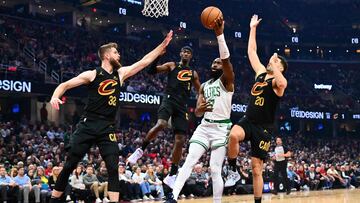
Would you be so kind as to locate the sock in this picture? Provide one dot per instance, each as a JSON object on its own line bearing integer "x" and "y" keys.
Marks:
{"x": 216, "y": 160}
{"x": 232, "y": 164}
{"x": 145, "y": 144}
{"x": 257, "y": 199}
{"x": 174, "y": 169}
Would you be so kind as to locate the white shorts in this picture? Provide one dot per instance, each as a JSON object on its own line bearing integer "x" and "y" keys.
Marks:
{"x": 211, "y": 134}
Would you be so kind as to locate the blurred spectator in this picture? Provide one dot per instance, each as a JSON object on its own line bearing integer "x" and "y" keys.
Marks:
{"x": 8, "y": 187}
{"x": 25, "y": 187}
{"x": 154, "y": 182}
{"x": 92, "y": 183}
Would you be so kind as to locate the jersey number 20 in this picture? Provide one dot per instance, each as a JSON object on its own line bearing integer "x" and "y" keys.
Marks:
{"x": 259, "y": 101}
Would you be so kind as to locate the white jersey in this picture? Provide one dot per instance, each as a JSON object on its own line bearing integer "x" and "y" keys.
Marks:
{"x": 220, "y": 99}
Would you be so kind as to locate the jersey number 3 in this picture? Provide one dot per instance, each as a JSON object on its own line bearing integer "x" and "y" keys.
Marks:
{"x": 259, "y": 101}
{"x": 112, "y": 101}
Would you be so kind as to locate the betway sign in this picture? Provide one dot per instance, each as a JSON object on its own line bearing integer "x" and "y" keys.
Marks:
{"x": 130, "y": 97}
{"x": 15, "y": 86}
{"x": 322, "y": 87}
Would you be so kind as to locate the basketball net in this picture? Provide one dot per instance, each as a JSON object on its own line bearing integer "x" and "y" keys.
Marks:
{"x": 155, "y": 8}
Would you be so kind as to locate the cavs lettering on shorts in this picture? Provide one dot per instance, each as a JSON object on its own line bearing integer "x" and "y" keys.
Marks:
{"x": 264, "y": 145}
{"x": 112, "y": 137}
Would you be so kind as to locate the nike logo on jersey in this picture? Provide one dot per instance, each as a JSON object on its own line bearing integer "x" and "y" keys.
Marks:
{"x": 105, "y": 87}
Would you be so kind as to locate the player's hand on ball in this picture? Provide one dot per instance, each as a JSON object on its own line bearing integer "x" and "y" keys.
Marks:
{"x": 204, "y": 106}
{"x": 55, "y": 103}
{"x": 255, "y": 21}
{"x": 219, "y": 26}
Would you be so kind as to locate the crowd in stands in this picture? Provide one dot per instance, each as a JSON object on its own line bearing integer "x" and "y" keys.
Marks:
{"x": 32, "y": 155}
{"x": 67, "y": 51}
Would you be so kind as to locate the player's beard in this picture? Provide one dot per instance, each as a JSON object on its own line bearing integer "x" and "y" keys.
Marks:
{"x": 115, "y": 64}
{"x": 216, "y": 74}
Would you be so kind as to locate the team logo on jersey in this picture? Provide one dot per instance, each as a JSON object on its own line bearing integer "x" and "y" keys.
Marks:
{"x": 258, "y": 88}
{"x": 105, "y": 87}
{"x": 184, "y": 75}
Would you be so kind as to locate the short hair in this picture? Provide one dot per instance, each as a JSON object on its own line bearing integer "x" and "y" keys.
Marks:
{"x": 187, "y": 48}
{"x": 284, "y": 63}
{"x": 104, "y": 48}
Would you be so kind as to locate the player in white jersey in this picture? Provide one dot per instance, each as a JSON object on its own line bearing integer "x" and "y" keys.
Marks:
{"x": 214, "y": 103}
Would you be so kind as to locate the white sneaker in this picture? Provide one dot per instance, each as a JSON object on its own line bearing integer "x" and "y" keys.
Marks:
{"x": 68, "y": 198}
{"x": 135, "y": 156}
{"x": 170, "y": 181}
{"x": 145, "y": 198}
{"x": 106, "y": 200}
{"x": 151, "y": 197}
{"x": 98, "y": 200}
{"x": 232, "y": 178}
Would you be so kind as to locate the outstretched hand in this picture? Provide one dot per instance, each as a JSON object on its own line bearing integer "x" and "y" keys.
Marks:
{"x": 166, "y": 42}
{"x": 219, "y": 26}
{"x": 55, "y": 103}
{"x": 167, "y": 39}
{"x": 254, "y": 22}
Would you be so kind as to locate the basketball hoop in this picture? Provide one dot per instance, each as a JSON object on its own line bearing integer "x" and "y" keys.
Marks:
{"x": 155, "y": 8}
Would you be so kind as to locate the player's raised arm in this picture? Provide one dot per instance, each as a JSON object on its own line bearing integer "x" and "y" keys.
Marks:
{"x": 252, "y": 47}
{"x": 154, "y": 68}
{"x": 228, "y": 76}
{"x": 82, "y": 79}
{"x": 196, "y": 82}
{"x": 128, "y": 71}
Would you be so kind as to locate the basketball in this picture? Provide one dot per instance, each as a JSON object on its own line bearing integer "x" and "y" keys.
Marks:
{"x": 209, "y": 15}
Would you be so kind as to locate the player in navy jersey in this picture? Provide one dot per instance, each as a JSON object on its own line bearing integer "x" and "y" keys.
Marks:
{"x": 97, "y": 125}
{"x": 258, "y": 123}
{"x": 181, "y": 77}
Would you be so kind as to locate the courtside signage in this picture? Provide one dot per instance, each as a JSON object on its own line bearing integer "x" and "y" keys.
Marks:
{"x": 129, "y": 97}
{"x": 15, "y": 86}
{"x": 306, "y": 114}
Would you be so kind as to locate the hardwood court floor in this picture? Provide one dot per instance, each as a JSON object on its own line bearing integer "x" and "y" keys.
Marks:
{"x": 326, "y": 196}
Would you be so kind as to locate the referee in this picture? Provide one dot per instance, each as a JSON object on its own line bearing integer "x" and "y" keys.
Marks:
{"x": 280, "y": 164}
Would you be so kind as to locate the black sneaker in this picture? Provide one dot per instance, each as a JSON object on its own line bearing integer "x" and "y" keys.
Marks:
{"x": 288, "y": 192}
{"x": 170, "y": 198}
{"x": 274, "y": 192}
{"x": 170, "y": 201}
{"x": 56, "y": 200}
